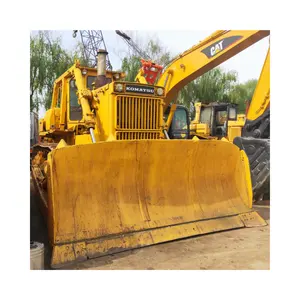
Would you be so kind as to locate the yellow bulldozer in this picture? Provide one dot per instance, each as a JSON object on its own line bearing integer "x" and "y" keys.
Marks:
{"x": 109, "y": 176}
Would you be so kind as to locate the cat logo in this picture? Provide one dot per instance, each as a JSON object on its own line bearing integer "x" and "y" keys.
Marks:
{"x": 220, "y": 45}
{"x": 217, "y": 48}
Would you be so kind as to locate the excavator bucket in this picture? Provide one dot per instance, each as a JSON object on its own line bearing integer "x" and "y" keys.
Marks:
{"x": 108, "y": 197}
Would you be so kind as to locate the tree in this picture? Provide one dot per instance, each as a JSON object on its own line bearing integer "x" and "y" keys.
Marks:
{"x": 38, "y": 69}
{"x": 131, "y": 66}
{"x": 243, "y": 92}
{"x": 48, "y": 60}
{"x": 213, "y": 86}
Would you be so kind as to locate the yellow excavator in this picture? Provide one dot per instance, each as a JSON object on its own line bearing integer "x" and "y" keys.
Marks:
{"x": 255, "y": 137}
{"x": 110, "y": 178}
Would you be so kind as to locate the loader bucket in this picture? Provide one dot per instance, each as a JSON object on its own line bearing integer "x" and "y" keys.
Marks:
{"x": 108, "y": 197}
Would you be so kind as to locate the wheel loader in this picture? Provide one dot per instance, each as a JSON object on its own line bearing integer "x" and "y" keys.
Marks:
{"x": 217, "y": 121}
{"x": 110, "y": 178}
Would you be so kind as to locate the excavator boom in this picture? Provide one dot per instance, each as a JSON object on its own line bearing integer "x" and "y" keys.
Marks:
{"x": 209, "y": 53}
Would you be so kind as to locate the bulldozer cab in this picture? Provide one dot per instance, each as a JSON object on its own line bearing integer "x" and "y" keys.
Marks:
{"x": 180, "y": 126}
{"x": 75, "y": 109}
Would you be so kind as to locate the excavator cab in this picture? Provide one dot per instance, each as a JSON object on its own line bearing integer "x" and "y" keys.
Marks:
{"x": 180, "y": 126}
{"x": 221, "y": 114}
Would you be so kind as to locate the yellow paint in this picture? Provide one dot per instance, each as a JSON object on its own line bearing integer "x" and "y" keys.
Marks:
{"x": 197, "y": 63}
{"x": 246, "y": 175}
{"x": 132, "y": 187}
{"x": 63, "y": 254}
{"x": 170, "y": 116}
{"x": 203, "y": 129}
{"x": 261, "y": 97}
{"x": 83, "y": 139}
{"x": 61, "y": 144}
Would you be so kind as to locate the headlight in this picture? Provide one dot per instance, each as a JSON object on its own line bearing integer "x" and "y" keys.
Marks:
{"x": 119, "y": 87}
{"x": 116, "y": 76}
{"x": 84, "y": 72}
{"x": 153, "y": 69}
{"x": 160, "y": 91}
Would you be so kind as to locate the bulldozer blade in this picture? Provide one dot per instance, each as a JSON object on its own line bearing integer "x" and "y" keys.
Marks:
{"x": 108, "y": 197}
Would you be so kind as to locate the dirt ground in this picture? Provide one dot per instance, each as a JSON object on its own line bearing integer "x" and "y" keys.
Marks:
{"x": 240, "y": 249}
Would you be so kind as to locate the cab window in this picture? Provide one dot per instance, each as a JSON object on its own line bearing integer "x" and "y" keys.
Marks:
{"x": 75, "y": 107}
{"x": 221, "y": 117}
{"x": 179, "y": 119}
{"x": 90, "y": 81}
{"x": 205, "y": 115}
{"x": 58, "y": 97}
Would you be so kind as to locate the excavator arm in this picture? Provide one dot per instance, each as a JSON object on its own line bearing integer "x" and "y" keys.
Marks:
{"x": 258, "y": 115}
{"x": 207, "y": 54}
{"x": 255, "y": 139}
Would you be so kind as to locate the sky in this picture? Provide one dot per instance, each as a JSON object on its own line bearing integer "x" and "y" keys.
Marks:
{"x": 248, "y": 63}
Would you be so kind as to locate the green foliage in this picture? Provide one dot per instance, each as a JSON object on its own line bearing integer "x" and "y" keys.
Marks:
{"x": 213, "y": 86}
{"x": 131, "y": 66}
{"x": 217, "y": 86}
{"x": 48, "y": 60}
{"x": 243, "y": 92}
{"x": 38, "y": 69}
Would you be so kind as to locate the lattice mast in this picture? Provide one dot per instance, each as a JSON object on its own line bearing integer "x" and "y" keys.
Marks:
{"x": 92, "y": 41}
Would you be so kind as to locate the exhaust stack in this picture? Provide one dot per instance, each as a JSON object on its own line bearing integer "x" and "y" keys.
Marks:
{"x": 101, "y": 69}
{"x": 101, "y": 62}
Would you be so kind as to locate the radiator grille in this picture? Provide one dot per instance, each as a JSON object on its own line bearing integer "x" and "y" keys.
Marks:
{"x": 138, "y": 113}
{"x": 124, "y": 135}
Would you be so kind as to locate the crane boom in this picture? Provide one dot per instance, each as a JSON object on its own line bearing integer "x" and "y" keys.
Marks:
{"x": 92, "y": 41}
{"x": 207, "y": 54}
{"x": 132, "y": 44}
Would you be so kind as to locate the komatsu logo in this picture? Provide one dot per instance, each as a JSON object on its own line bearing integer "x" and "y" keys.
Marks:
{"x": 220, "y": 45}
{"x": 139, "y": 89}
